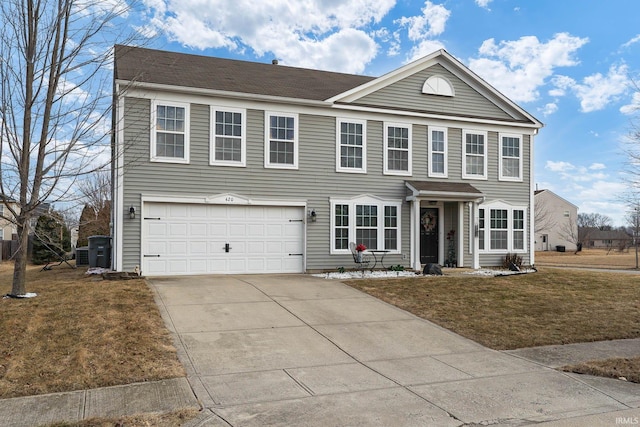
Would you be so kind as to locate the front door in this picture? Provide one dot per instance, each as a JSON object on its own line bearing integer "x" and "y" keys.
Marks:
{"x": 428, "y": 235}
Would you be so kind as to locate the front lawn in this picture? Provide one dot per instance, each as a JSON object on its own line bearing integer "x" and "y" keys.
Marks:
{"x": 80, "y": 333}
{"x": 552, "y": 306}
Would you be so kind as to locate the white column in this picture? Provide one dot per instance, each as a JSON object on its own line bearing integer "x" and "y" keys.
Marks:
{"x": 415, "y": 234}
{"x": 460, "y": 233}
{"x": 476, "y": 240}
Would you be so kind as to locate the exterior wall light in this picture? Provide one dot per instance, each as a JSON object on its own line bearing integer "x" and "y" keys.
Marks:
{"x": 132, "y": 212}
{"x": 312, "y": 215}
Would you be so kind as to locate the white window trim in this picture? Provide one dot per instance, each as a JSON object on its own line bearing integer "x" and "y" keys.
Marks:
{"x": 187, "y": 126}
{"x": 213, "y": 109}
{"x": 466, "y": 132}
{"x": 340, "y": 168}
{"x": 510, "y": 230}
{"x": 365, "y": 200}
{"x": 388, "y": 171}
{"x": 267, "y": 128}
{"x": 501, "y": 177}
{"x": 446, "y": 152}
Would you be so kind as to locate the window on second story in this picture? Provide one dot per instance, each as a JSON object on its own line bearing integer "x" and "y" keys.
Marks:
{"x": 169, "y": 132}
{"x": 397, "y": 149}
{"x": 474, "y": 162}
{"x": 228, "y": 145}
{"x": 510, "y": 158}
{"x": 438, "y": 158}
{"x": 281, "y": 142}
{"x": 351, "y": 155}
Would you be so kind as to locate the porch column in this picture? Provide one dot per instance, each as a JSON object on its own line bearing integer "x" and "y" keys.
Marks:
{"x": 415, "y": 234}
{"x": 476, "y": 238}
{"x": 460, "y": 255}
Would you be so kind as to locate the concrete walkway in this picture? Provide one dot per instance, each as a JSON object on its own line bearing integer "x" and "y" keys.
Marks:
{"x": 298, "y": 350}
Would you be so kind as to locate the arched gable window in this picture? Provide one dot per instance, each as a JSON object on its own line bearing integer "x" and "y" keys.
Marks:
{"x": 438, "y": 85}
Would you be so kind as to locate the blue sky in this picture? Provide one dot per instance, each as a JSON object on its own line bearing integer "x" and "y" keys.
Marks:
{"x": 571, "y": 63}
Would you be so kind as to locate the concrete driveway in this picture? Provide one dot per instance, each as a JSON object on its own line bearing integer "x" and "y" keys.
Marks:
{"x": 299, "y": 350}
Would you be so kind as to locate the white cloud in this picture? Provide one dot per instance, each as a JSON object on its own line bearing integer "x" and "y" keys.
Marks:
{"x": 559, "y": 166}
{"x": 597, "y": 166}
{"x": 549, "y": 109}
{"x": 483, "y": 3}
{"x": 518, "y": 68}
{"x": 319, "y": 34}
{"x": 634, "y": 40}
{"x": 422, "y": 29}
{"x": 431, "y": 23}
{"x": 633, "y": 107}
{"x": 597, "y": 91}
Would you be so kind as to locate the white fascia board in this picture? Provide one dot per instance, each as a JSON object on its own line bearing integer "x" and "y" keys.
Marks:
{"x": 118, "y": 208}
{"x": 223, "y": 94}
{"x": 386, "y": 79}
{"x": 448, "y": 118}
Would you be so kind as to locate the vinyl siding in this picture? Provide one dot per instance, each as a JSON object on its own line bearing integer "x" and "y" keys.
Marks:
{"x": 408, "y": 92}
{"x": 315, "y": 182}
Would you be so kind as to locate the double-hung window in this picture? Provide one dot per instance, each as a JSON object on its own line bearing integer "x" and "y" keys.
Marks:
{"x": 281, "y": 140}
{"x": 510, "y": 157}
{"x": 474, "y": 161}
{"x": 501, "y": 228}
{"x": 397, "y": 151}
{"x": 372, "y": 222}
{"x": 228, "y": 144}
{"x": 169, "y": 132}
{"x": 438, "y": 152}
{"x": 351, "y": 155}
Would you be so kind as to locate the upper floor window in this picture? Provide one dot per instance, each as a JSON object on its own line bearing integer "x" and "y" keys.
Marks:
{"x": 474, "y": 161}
{"x": 372, "y": 222}
{"x": 281, "y": 149}
{"x": 510, "y": 157}
{"x": 438, "y": 158}
{"x": 169, "y": 132}
{"x": 397, "y": 151}
{"x": 351, "y": 155}
{"x": 228, "y": 145}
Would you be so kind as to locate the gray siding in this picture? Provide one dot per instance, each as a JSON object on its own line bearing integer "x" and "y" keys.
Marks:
{"x": 407, "y": 93}
{"x": 316, "y": 180}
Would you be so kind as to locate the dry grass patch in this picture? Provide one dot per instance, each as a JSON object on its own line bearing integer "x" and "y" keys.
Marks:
{"x": 80, "y": 333}
{"x": 596, "y": 258}
{"x": 612, "y": 368}
{"x": 549, "y": 307}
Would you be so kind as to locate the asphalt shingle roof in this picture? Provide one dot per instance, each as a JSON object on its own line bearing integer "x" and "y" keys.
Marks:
{"x": 205, "y": 72}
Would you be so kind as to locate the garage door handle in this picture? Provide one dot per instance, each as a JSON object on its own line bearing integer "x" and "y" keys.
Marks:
{"x": 157, "y": 219}
{"x": 152, "y": 256}
{"x": 296, "y": 254}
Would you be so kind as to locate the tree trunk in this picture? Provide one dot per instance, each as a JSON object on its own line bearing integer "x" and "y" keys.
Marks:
{"x": 20, "y": 268}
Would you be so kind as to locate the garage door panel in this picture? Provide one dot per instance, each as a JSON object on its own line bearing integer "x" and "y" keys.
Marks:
{"x": 190, "y": 239}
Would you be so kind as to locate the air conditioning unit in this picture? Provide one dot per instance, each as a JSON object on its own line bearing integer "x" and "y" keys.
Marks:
{"x": 82, "y": 256}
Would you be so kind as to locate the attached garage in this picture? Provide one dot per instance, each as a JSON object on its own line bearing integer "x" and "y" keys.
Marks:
{"x": 181, "y": 238}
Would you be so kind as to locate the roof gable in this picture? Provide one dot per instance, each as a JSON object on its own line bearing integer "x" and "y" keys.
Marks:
{"x": 404, "y": 86}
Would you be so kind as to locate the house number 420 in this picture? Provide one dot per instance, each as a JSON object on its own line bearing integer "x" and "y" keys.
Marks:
{"x": 229, "y": 199}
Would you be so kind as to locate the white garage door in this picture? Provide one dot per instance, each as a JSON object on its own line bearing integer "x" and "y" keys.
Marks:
{"x": 221, "y": 239}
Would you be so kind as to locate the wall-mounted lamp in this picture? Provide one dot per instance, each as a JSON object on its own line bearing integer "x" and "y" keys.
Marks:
{"x": 312, "y": 215}
{"x": 132, "y": 212}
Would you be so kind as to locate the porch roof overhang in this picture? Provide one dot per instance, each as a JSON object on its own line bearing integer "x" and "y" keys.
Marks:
{"x": 439, "y": 190}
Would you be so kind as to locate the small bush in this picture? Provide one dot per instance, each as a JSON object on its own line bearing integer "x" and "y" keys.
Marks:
{"x": 341, "y": 270}
{"x": 398, "y": 267}
{"x": 514, "y": 259}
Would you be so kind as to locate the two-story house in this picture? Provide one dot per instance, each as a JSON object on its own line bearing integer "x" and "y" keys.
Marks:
{"x": 556, "y": 222}
{"x": 226, "y": 166}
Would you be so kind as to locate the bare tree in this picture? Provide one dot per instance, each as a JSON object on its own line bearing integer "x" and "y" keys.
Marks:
{"x": 95, "y": 192}
{"x": 55, "y": 100}
{"x": 543, "y": 218}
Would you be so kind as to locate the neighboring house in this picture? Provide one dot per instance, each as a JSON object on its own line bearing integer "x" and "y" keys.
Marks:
{"x": 7, "y": 224}
{"x": 607, "y": 239}
{"x": 556, "y": 222}
{"x": 226, "y": 166}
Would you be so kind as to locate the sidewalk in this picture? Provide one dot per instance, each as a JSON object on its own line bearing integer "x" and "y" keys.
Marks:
{"x": 107, "y": 402}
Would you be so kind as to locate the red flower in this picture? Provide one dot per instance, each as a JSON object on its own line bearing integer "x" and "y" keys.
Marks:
{"x": 361, "y": 247}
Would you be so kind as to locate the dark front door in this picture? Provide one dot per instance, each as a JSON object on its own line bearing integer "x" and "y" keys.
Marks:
{"x": 428, "y": 235}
